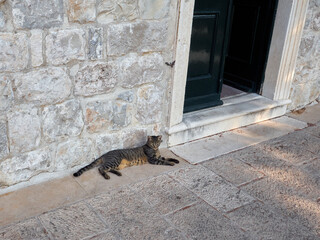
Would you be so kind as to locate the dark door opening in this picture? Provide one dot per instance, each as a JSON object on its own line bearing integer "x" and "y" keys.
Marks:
{"x": 229, "y": 45}
{"x": 249, "y": 41}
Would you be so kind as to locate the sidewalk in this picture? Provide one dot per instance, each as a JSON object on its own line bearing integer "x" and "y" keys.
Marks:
{"x": 269, "y": 190}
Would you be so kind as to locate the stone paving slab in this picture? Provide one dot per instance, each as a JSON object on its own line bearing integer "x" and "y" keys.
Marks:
{"x": 281, "y": 171}
{"x": 164, "y": 194}
{"x": 294, "y": 147}
{"x": 287, "y": 202}
{"x": 217, "y": 145}
{"x": 33, "y": 200}
{"x": 233, "y": 170}
{"x": 126, "y": 213}
{"x": 308, "y": 115}
{"x": 314, "y": 130}
{"x": 201, "y": 221}
{"x": 72, "y": 222}
{"x": 262, "y": 222}
{"x": 212, "y": 188}
{"x": 29, "y": 229}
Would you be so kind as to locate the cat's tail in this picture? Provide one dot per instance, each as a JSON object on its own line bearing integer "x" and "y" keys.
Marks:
{"x": 88, "y": 167}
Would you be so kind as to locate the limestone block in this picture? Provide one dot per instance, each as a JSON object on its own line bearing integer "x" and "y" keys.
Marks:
{"x": 36, "y": 48}
{"x": 73, "y": 153}
{"x": 6, "y": 93}
{"x": 306, "y": 45}
{"x": 134, "y": 138}
{"x": 126, "y": 96}
{"x": 95, "y": 43}
{"x": 154, "y": 9}
{"x": 82, "y": 11}
{"x": 37, "y": 13}
{"x": 14, "y": 53}
{"x": 315, "y": 24}
{"x": 149, "y": 104}
{"x": 23, "y": 167}
{"x": 117, "y": 10}
{"x": 106, "y": 115}
{"x": 65, "y": 45}
{"x": 107, "y": 142}
{"x": 137, "y": 37}
{"x": 24, "y": 130}
{"x": 136, "y": 70}
{"x": 4, "y": 150}
{"x": 96, "y": 79}
{"x": 2, "y": 20}
{"x": 44, "y": 86}
{"x": 62, "y": 120}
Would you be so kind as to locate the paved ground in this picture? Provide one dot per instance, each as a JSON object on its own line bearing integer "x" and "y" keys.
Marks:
{"x": 267, "y": 191}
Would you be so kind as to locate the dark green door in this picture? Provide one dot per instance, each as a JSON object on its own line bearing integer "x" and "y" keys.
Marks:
{"x": 207, "y": 51}
{"x": 249, "y": 41}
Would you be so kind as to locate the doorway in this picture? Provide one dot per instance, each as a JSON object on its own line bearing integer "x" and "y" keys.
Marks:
{"x": 228, "y": 52}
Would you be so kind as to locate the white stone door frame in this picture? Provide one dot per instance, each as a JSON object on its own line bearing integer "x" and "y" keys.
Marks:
{"x": 289, "y": 23}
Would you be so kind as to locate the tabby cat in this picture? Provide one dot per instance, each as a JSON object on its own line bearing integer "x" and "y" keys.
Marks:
{"x": 116, "y": 160}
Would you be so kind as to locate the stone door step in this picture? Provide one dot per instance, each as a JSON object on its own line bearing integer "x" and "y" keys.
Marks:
{"x": 211, "y": 147}
{"x": 237, "y": 111}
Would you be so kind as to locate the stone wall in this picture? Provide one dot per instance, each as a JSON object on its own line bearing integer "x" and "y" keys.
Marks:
{"x": 78, "y": 78}
{"x": 306, "y": 82}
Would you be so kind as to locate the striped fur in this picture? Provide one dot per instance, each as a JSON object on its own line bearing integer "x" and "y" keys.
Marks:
{"x": 116, "y": 160}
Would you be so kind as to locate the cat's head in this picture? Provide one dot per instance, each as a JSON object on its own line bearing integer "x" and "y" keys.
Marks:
{"x": 154, "y": 141}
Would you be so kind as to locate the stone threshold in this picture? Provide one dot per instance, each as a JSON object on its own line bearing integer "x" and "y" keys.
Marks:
{"x": 237, "y": 111}
{"x": 211, "y": 147}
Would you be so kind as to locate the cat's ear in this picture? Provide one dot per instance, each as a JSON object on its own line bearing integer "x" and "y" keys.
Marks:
{"x": 149, "y": 138}
{"x": 159, "y": 137}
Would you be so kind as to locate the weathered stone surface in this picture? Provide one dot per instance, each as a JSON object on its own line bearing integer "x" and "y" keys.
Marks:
{"x": 73, "y": 153}
{"x": 117, "y": 10}
{"x": 2, "y": 20}
{"x": 149, "y": 104}
{"x": 306, "y": 45}
{"x": 134, "y": 138}
{"x": 96, "y": 79}
{"x": 201, "y": 221}
{"x": 95, "y": 43}
{"x": 136, "y": 37}
{"x": 107, "y": 142}
{"x": 164, "y": 194}
{"x": 24, "y": 130}
{"x": 315, "y": 24}
{"x": 280, "y": 170}
{"x": 136, "y": 70}
{"x": 127, "y": 96}
{"x": 65, "y": 45}
{"x": 130, "y": 215}
{"x": 62, "y": 120}
{"x": 72, "y": 222}
{"x": 4, "y": 150}
{"x": 212, "y": 188}
{"x": 233, "y": 170}
{"x": 106, "y": 115}
{"x": 6, "y": 93}
{"x": 154, "y": 9}
{"x": 28, "y": 229}
{"x": 44, "y": 86}
{"x": 36, "y": 48}
{"x": 287, "y": 202}
{"x": 37, "y": 13}
{"x": 23, "y": 167}
{"x": 14, "y": 53}
{"x": 82, "y": 11}
{"x": 262, "y": 222}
